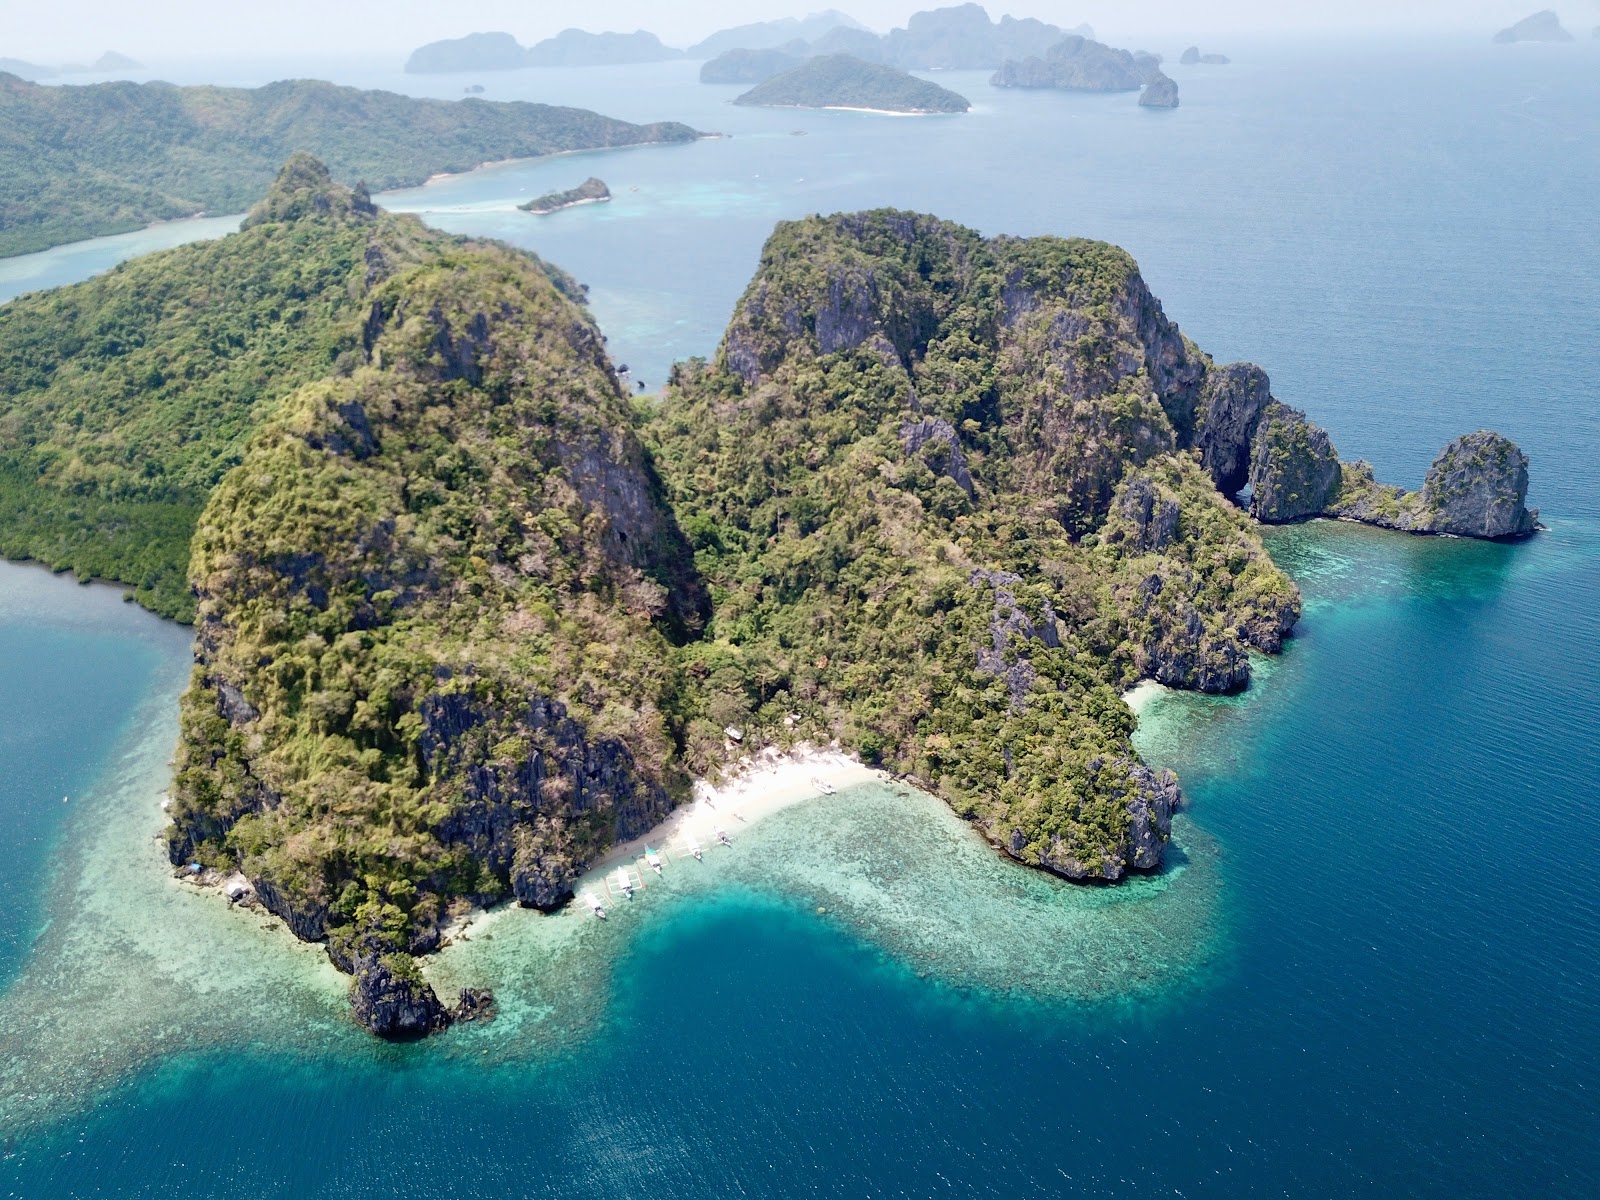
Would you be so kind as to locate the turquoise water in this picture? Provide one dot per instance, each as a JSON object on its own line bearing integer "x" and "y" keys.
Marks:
{"x": 1371, "y": 968}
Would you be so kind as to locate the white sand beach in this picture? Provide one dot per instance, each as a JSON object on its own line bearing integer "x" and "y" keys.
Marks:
{"x": 756, "y": 786}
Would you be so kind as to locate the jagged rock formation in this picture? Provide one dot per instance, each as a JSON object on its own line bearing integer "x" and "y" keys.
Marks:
{"x": 1540, "y": 27}
{"x": 1192, "y": 57}
{"x": 1160, "y": 92}
{"x": 1294, "y": 470}
{"x": 436, "y": 603}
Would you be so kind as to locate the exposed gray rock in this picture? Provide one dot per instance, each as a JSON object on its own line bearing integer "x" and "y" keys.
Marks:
{"x": 1294, "y": 469}
{"x": 1151, "y": 515}
{"x": 1478, "y": 487}
{"x": 943, "y": 445}
{"x": 1232, "y": 401}
{"x": 391, "y": 999}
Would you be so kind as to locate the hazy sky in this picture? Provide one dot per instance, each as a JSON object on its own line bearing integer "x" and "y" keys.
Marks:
{"x": 78, "y": 29}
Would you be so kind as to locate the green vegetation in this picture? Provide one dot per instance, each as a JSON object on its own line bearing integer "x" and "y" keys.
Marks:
{"x": 885, "y": 503}
{"x": 590, "y": 191}
{"x": 437, "y": 599}
{"x": 937, "y": 498}
{"x": 843, "y": 81}
{"x": 124, "y": 399}
{"x": 78, "y": 162}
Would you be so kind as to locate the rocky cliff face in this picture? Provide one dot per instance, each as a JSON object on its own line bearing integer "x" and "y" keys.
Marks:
{"x": 1294, "y": 469}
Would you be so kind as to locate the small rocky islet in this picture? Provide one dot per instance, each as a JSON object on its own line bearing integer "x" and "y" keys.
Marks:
{"x": 590, "y": 191}
{"x": 466, "y": 617}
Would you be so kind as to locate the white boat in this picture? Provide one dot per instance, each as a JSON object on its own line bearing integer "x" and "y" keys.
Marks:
{"x": 594, "y": 904}
{"x": 692, "y": 845}
{"x": 823, "y": 786}
{"x": 653, "y": 859}
{"x": 625, "y": 882}
{"x": 722, "y": 836}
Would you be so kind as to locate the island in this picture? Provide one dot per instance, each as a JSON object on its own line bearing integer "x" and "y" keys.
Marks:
{"x": 466, "y": 617}
{"x": 841, "y": 81}
{"x": 767, "y": 35}
{"x": 590, "y": 191}
{"x": 752, "y": 66}
{"x": 570, "y": 48}
{"x": 1542, "y": 26}
{"x": 1082, "y": 65}
{"x": 1160, "y": 92}
{"x": 962, "y": 37}
{"x": 168, "y": 152}
{"x": 1192, "y": 57}
{"x": 497, "y": 51}
{"x": 578, "y": 48}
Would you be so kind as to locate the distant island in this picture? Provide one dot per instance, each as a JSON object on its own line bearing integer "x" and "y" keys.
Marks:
{"x": 569, "y": 48}
{"x": 841, "y": 81}
{"x": 169, "y": 152}
{"x": 1540, "y": 27}
{"x": 1080, "y": 64}
{"x": 1192, "y": 57}
{"x": 590, "y": 191}
{"x": 1160, "y": 92}
{"x": 752, "y": 66}
{"x": 960, "y": 37}
{"x": 104, "y": 65}
{"x": 766, "y": 35}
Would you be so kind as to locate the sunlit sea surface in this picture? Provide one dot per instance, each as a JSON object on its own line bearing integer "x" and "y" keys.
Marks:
{"x": 1369, "y": 969}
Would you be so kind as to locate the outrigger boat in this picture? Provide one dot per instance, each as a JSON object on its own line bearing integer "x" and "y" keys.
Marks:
{"x": 594, "y": 904}
{"x": 692, "y": 845}
{"x": 625, "y": 882}
{"x": 653, "y": 859}
{"x": 722, "y": 837}
{"x": 823, "y": 786}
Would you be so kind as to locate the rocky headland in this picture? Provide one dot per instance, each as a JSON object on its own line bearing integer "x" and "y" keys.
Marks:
{"x": 1160, "y": 92}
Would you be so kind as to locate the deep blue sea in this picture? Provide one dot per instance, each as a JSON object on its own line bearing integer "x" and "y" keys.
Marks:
{"x": 1372, "y": 968}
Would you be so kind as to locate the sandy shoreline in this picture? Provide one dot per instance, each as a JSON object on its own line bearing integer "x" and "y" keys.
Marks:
{"x": 758, "y": 786}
